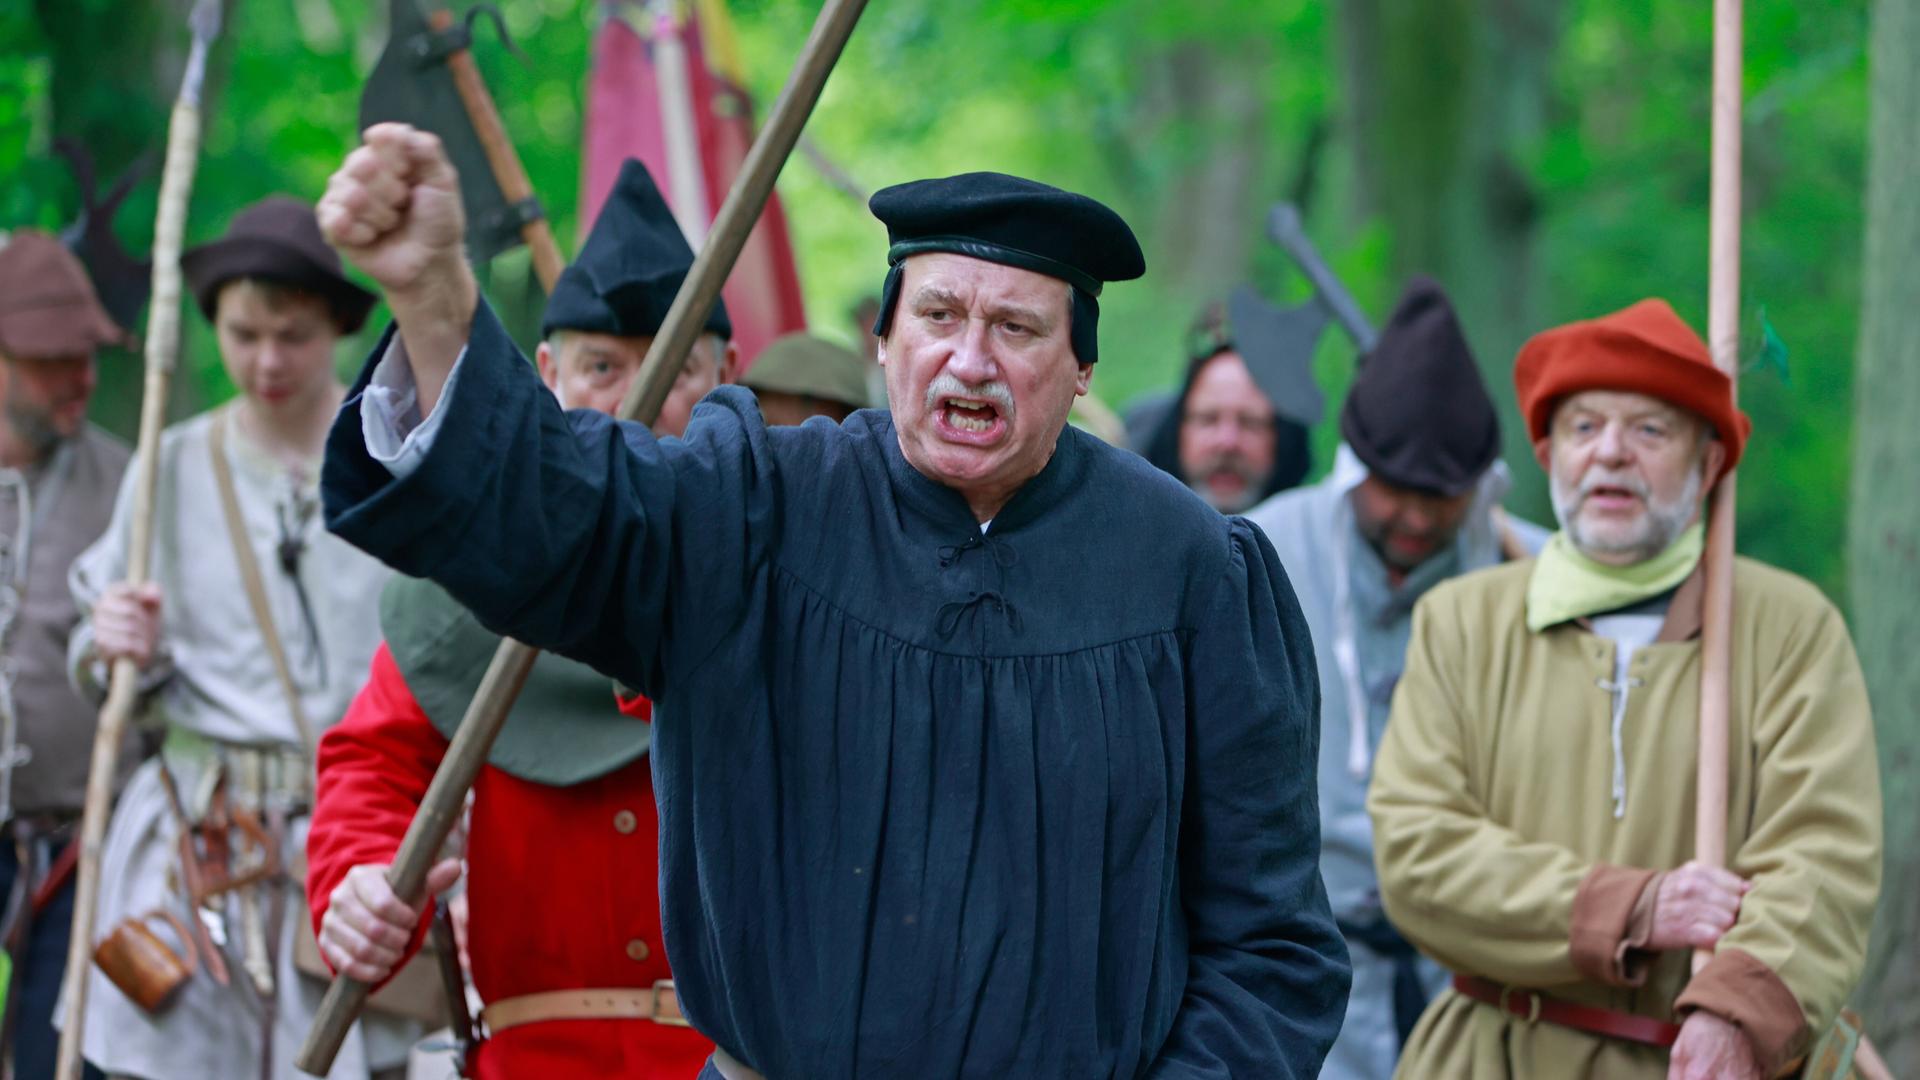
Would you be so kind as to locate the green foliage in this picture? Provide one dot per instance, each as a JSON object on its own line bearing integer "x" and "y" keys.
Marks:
{"x": 1188, "y": 118}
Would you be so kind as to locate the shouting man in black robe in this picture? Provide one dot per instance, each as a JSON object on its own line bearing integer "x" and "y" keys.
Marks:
{"x": 982, "y": 749}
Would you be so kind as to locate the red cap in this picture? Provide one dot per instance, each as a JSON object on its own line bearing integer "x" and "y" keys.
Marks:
{"x": 1643, "y": 349}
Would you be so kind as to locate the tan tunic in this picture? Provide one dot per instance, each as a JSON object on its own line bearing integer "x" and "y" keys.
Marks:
{"x": 1501, "y": 856}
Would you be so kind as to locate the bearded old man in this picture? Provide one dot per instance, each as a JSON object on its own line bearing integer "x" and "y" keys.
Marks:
{"x": 1414, "y": 499}
{"x": 982, "y": 749}
{"x": 1533, "y": 800}
{"x": 1236, "y": 431}
{"x": 58, "y": 476}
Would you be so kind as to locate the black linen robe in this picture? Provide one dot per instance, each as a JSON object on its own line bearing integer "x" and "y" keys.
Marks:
{"x": 933, "y": 803}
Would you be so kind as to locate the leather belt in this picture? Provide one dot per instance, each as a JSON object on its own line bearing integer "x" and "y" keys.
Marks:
{"x": 1533, "y": 1006}
{"x": 658, "y": 1003}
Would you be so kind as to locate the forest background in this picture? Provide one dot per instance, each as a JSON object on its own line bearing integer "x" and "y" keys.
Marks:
{"x": 1545, "y": 159}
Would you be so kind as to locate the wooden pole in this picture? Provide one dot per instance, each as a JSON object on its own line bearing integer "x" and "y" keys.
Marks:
{"x": 1723, "y": 338}
{"x": 502, "y": 159}
{"x": 440, "y": 807}
{"x": 162, "y": 354}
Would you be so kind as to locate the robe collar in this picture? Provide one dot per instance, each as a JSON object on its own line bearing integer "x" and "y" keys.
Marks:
{"x": 947, "y": 509}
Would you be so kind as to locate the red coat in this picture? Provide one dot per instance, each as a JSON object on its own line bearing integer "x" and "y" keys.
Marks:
{"x": 562, "y": 883}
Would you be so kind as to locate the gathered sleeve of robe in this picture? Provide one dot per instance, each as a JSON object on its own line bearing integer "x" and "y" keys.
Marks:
{"x": 1267, "y": 972}
{"x": 1813, "y": 851}
{"x": 1473, "y": 894}
{"x": 569, "y": 531}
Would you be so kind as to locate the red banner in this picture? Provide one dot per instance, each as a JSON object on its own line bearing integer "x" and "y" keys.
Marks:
{"x": 666, "y": 89}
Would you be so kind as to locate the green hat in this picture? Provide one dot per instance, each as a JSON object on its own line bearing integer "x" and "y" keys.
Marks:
{"x": 565, "y": 728}
{"x": 810, "y": 367}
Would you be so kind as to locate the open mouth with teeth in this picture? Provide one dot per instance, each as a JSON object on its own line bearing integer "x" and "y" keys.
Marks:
{"x": 969, "y": 420}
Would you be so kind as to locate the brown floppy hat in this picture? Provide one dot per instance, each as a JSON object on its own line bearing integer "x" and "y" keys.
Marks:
{"x": 47, "y": 306}
{"x": 278, "y": 240}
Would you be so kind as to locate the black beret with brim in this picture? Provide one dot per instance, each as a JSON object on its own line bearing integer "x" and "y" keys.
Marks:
{"x": 1015, "y": 222}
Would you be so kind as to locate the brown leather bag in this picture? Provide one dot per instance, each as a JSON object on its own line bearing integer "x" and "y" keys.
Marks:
{"x": 145, "y": 968}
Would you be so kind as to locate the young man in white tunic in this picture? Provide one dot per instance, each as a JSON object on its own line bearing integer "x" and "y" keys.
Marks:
{"x": 232, "y": 728}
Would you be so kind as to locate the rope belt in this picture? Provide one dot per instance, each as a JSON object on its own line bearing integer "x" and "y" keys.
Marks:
{"x": 1533, "y": 1006}
{"x": 277, "y": 771}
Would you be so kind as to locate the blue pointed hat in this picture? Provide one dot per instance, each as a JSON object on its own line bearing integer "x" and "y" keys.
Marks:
{"x": 628, "y": 271}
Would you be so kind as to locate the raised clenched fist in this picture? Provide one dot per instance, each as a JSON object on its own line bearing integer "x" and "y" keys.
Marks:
{"x": 393, "y": 210}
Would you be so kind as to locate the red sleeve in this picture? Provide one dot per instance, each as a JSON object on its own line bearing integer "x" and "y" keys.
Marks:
{"x": 374, "y": 767}
{"x": 633, "y": 705}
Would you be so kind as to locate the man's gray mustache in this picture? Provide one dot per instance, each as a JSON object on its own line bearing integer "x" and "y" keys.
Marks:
{"x": 945, "y": 385}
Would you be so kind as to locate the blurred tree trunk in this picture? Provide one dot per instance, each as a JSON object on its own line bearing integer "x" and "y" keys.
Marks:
{"x": 1884, "y": 545}
{"x": 1443, "y": 100}
{"x": 1207, "y": 223}
{"x": 115, "y": 77}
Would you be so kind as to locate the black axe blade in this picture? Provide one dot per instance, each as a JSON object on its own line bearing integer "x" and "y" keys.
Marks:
{"x": 121, "y": 281}
{"x": 411, "y": 84}
{"x": 1277, "y": 345}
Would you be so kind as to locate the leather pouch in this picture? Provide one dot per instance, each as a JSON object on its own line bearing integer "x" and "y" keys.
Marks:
{"x": 144, "y": 967}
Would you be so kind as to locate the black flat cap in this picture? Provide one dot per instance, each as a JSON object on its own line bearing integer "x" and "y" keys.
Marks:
{"x": 1418, "y": 415}
{"x": 1016, "y": 222}
{"x": 1009, "y": 220}
{"x": 630, "y": 268}
{"x": 277, "y": 240}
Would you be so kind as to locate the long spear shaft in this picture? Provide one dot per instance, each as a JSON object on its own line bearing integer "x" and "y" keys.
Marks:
{"x": 1723, "y": 338}
{"x": 162, "y": 352}
{"x": 441, "y": 805}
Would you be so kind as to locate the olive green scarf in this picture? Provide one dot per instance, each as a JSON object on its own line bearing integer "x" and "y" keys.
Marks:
{"x": 1568, "y": 585}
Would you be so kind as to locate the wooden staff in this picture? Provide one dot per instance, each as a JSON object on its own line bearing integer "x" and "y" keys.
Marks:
{"x": 441, "y": 806}
{"x": 502, "y": 159}
{"x": 162, "y": 353}
{"x": 1723, "y": 338}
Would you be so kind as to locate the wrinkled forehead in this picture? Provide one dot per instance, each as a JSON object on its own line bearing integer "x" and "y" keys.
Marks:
{"x": 577, "y": 347}
{"x": 1623, "y": 405}
{"x": 979, "y": 283}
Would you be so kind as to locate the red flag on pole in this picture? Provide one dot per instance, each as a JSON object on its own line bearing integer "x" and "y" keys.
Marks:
{"x": 666, "y": 88}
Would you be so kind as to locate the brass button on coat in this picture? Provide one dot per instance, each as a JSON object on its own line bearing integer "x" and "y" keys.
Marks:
{"x": 637, "y": 950}
{"x": 624, "y": 822}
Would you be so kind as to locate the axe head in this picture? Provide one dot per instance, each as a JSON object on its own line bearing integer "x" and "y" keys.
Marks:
{"x": 411, "y": 84}
{"x": 1277, "y": 345}
{"x": 121, "y": 281}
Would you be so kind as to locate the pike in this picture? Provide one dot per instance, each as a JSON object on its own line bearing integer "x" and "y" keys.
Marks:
{"x": 162, "y": 353}
{"x": 1716, "y": 631}
{"x": 440, "y": 807}
{"x": 1284, "y": 229}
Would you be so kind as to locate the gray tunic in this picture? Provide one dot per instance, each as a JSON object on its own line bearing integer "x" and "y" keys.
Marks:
{"x": 1360, "y": 624}
{"x": 70, "y": 496}
{"x": 216, "y": 682}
